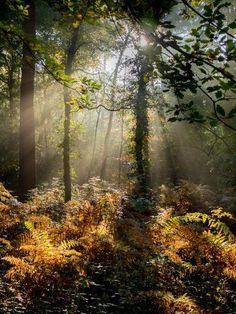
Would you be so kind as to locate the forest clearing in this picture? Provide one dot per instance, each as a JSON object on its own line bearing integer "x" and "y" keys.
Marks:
{"x": 117, "y": 156}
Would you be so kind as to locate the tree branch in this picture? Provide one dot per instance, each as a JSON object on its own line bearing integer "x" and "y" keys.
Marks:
{"x": 206, "y": 19}
{"x": 173, "y": 44}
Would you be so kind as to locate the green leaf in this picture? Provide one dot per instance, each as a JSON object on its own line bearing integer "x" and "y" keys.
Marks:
{"x": 189, "y": 40}
{"x": 186, "y": 47}
{"x": 217, "y": 2}
{"x": 208, "y": 10}
{"x": 173, "y": 119}
{"x": 214, "y": 123}
{"x": 232, "y": 113}
{"x": 230, "y": 45}
{"x": 226, "y": 85}
{"x": 195, "y": 32}
{"x": 203, "y": 70}
{"x": 159, "y": 49}
{"x": 220, "y": 110}
{"x": 232, "y": 25}
{"x": 211, "y": 89}
{"x": 168, "y": 24}
{"x": 219, "y": 94}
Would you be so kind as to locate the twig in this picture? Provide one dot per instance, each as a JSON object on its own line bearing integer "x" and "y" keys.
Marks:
{"x": 206, "y": 19}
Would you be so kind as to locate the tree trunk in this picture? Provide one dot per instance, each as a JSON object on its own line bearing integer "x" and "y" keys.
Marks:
{"x": 142, "y": 134}
{"x": 111, "y": 115}
{"x": 27, "y": 164}
{"x": 122, "y": 135}
{"x": 121, "y": 148}
{"x": 171, "y": 172}
{"x": 106, "y": 146}
{"x": 11, "y": 88}
{"x": 66, "y": 144}
{"x": 94, "y": 144}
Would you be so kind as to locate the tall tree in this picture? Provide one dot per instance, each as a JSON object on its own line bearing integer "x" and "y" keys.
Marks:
{"x": 27, "y": 164}
{"x": 112, "y": 99}
{"x": 71, "y": 51}
{"x": 142, "y": 130}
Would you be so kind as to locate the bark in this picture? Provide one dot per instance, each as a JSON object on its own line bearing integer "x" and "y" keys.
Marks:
{"x": 111, "y": 114}
{"x": 122, "y": 135}
{"x": 94, "y": 144}
{"x": 106, "y": 146}
{"x": 11, "y": 88}
{"x": 45, "y": 128}
{"x": 142, "y": 134}
{"x": 169, "y": 154}
{"x": 121, "y": 149}
{"x": 27, "y": 164}
{"x": 66, "y": 144}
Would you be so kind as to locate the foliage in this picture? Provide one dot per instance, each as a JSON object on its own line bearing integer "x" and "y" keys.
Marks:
{"x": 102, "y": 254}
{"x": 186, "y": 196}
{"x": 199, "y": 65}
{"x": 38, "y": 260}
{"x": 159, "y": 237}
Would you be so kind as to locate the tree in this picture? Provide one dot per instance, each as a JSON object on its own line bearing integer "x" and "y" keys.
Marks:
{"x": 112, "y": 100}
{"x": 141, "y": 128}
{"x": 27, "y": 163}
{"x": 66, "y": 144}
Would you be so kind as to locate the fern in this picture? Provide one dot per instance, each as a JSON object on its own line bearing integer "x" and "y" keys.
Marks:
{"x": 188, "y": 266}
{"x": 15, "y": 261}
{"x": 198, "y": 217}
{"x": 6, "y": 243}
{"x": 66, "y": 245}
{"x": 19, "y": 267}
{"x": 29, "y": 225}
{"x": 218, "y": 239}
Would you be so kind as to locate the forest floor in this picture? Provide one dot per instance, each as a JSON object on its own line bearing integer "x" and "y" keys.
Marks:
{"x": 110, "y": 252}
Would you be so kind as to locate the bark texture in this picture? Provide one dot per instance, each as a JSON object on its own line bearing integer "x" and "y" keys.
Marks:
{"x": 67, "y": 97}
{"x": 27, "y": 164}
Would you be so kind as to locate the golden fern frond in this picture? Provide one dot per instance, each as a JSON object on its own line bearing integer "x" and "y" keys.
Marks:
{"x": 167, "y": 296}
{"x": 41, "y": 235}
{"x": 15, "y": 261}
{"x": 197, "y": 217}
{"x": 25, "y": 238}
{"x": 42, "y": 238}
{"x": 188, "y": 266}
{"x": 29, "y": 225}
{"x": 229, "y": 272}
{"x": 28, "y": 248}
{"x": 72, "y": 252}
{"x": 184, "y": 298}
{"x": 6, "y": 243}
{"x": 68, "y": 244}
{"x": 218, "y": 239}
{"x": 19, "y": 267}
{"x": 186, "y": 301}
{"x": 220, "y": 213}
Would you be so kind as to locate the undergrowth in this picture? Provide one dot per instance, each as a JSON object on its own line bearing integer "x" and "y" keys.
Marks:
{"x": 100, "y": 254}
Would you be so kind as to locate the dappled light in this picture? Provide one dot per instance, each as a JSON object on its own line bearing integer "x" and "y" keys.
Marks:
{"x": 117, "y": 157}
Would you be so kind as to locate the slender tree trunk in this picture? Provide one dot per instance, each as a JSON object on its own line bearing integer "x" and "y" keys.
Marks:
{"x": 106, "y": 146}
{"x": 27, "y": 165}
{"x": 94, "y": 144}
{"x": 142, "y": 134}
{"x": 111, "y": 115}
{"x": 11, "y": 89}
{"x": 169, "y": 154}
{"x": 121, "y": 148}
{"x": 45, "y": 128}
{"x": 122, "y": 135}
{"x": 66, "y": 144}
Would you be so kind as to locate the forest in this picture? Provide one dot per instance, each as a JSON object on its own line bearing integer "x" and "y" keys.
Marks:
{"x": 117, "y": 156}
